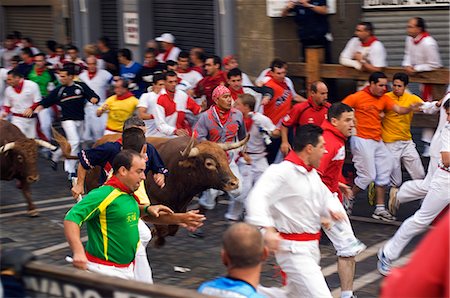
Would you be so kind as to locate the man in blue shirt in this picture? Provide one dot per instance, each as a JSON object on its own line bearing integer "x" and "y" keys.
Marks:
{"x": 242, "y": 253}
{"x": 129, "y": 69}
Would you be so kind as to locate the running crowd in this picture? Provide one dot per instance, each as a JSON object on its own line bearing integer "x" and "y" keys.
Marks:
{"x": 290, "y": 170}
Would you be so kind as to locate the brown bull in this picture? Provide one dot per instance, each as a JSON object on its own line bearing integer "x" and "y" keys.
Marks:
{"x": 193, "y": 167}
{"x": 18, "y": 156}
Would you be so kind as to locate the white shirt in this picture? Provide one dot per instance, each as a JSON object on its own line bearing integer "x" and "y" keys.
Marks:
{"x": 167, "y": 124}
{"x": 148, "y": 101}
{"x": 173, "y": 55}
{"x": 423, "y": 56}
{"x": 374, "y": 54}
{"x": 19, "y": 102}
{"x": 99, "y": 83}
{"x": 192, "y": 77}
{"x": 290, "y": 199}
{"x": 3, "y": 76}
{"x": 260, "y": 129}
{"x": 436, "y": 141}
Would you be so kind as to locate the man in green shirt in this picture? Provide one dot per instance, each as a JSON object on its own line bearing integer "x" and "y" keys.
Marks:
{"x": 46, "y": 80}
{"x": 111, "y": 213}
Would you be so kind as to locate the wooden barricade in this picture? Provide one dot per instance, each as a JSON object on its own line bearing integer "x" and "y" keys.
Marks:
{"x": 43, "y": 280}
{"x": 314, "y": 70}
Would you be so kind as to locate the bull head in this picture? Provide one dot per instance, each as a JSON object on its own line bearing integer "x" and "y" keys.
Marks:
{"x": 191, "y": 151}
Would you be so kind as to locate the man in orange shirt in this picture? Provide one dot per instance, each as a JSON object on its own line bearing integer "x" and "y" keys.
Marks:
{"x": 372, "y": 160}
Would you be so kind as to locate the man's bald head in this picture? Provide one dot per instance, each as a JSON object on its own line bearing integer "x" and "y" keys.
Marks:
{"x": 243, "y": 245}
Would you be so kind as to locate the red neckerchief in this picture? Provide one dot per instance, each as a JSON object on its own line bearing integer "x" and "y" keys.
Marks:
{"x": 367, "y": 89}
{"x": 91, "y": 74}
{"x": 39, "y": 71}
{"x": 115, "y": 182}
{"x": 198, "y": 69}
{"x": 326, "y": 125}
{"x": 179, "y": 70}
{"x": 419, "y": 37}
{"x": 223, "y": 115}
{"x": 369, "y": 42}
{"x": 248, "y": 121}
{"x": 281, "y": 84}
{"x": 19, "y": 87}
{"x": 293, "y": 157}
{"x": 124, "y": 96}
{"x": 313, "y": 105}
{"x": 167, "y": 52}
{"x": 235, "y": 93}
{"x": 151, "y": 65}
{"x": 171, "y": 94}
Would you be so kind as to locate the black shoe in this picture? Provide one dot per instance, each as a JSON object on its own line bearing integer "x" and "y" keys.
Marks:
{"x": 54, "y": 165}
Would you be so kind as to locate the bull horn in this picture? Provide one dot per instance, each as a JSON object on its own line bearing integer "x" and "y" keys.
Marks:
{"x": 7, "y": 147}
{"x": 45, "y": 144}
{"x": 235, "y": 145}
{"x": 63, "y": 144}
{"x": 190, "y": 151}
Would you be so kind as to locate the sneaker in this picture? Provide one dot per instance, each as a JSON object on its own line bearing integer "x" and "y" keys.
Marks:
{"x": 348, "y": 205}
{"x": 383, "y": 215}
{"x": 371, "y": 194}
{"x": 393, "y": 203}
{"x": 384, "y": 264}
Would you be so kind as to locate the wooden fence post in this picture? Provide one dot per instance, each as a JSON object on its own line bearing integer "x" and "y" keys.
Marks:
{"x": 314, "y": 57}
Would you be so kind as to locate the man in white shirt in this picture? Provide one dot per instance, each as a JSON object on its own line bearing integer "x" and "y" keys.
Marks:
{"x": 147, "y": 105}
{"x": 364, "y": 52}
{"x": 98, "y": 80}
{"x": 171, "y": 107}
{"x": 292, "y": 218}
{"x": 171, "y": 52}
{"x": 421, "y": 54}
{"x": 19, "y": 96}
{"x": 185, "y": 72}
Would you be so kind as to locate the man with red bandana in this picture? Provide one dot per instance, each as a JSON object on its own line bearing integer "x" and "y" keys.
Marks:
{"x": 371, "y": 158}
{"x": 214, "y": 77}
{"x": 221, "y": 123}
{"x": 151, "y": 66}
{"x": 171, "y": 107}
{"x": 313, "y": 111}
{"x": 364, "y": 52}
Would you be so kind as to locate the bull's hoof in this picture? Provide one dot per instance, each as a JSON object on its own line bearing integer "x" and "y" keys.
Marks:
{"x": 33, "y": 213}
{"x": 159, "y": 242}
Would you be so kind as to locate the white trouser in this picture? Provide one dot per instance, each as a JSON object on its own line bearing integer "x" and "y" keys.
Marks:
{"x": 45, "y": 121}
{"x": 250, "y": 173}
{"x": 427, "y": 134}
{"x": 300, "y": 261}
{"x": 405, "y": 152}
{"x": 142, "y": 269}
{"x": 26, "y": 125}
{"x": 372, "y": 161}
{"x": 417, "y": 189}
{"x": 341, "y": 234}
{"x": 208, "y": 198}
{"x": 94, "y": 127}
{"x": 437, "y": 198}
{"x": 124, "y": 273}
{"x": 73, "y": 130}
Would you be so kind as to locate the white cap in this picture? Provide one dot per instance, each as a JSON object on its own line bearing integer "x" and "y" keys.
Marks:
{"x": 166, "y": 37}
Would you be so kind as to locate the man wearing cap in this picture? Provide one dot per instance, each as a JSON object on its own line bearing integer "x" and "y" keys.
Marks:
{"x": 171, "y": 52}
{"x": 221, "y": 123}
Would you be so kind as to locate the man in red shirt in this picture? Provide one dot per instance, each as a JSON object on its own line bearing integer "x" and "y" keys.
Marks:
{"x": 214, "y": 77}
{"x": 312, "y": 111}
{"x": 336, "y": 129}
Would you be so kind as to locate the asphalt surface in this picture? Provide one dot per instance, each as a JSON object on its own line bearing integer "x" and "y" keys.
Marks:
{"x": 44, "y": 237}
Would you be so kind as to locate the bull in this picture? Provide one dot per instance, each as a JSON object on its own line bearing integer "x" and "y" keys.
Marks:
{"x": 18, "y": 157}
{"x": 193, "y": 167}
